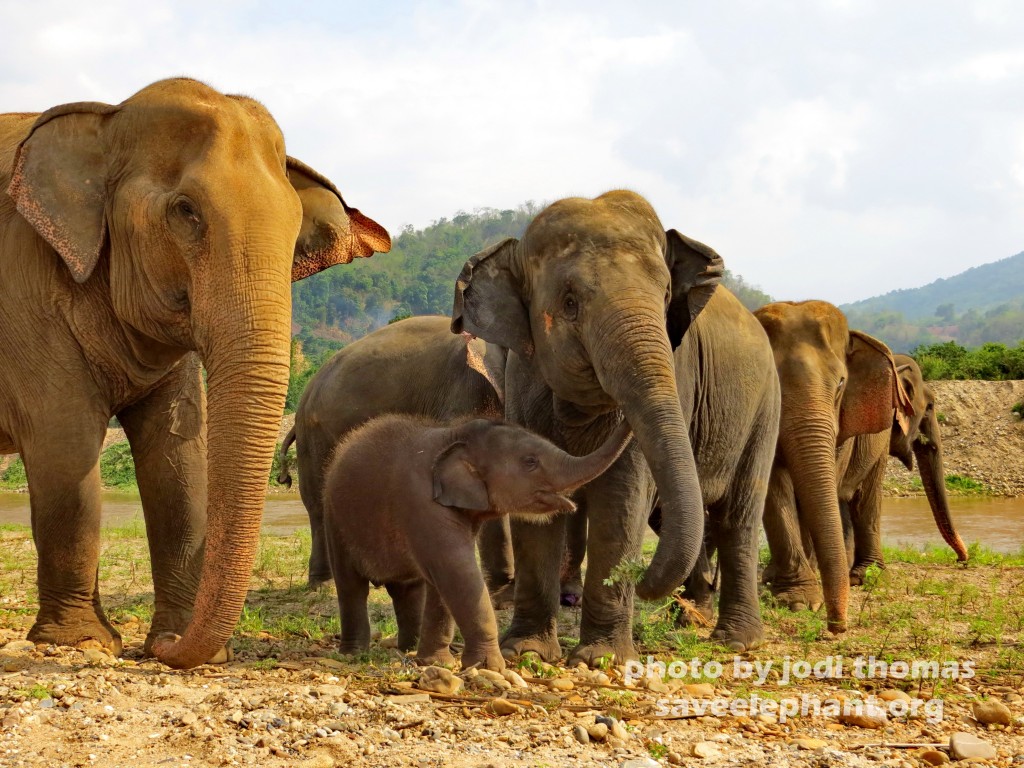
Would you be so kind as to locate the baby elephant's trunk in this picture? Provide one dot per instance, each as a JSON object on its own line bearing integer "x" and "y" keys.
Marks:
{"x": 576, "y": 471}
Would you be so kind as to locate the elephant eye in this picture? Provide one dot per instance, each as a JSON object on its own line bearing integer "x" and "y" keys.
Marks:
{"x": 188, "y": 210}
{"x": 530, "y": 463}
{"x": 570, "y": 307}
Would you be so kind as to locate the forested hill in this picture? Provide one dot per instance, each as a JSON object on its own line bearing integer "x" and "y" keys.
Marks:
{"x": 982, "y": 304}
{"x": 416, "y": 278}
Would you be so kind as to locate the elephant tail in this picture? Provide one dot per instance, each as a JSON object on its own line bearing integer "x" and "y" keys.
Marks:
{"x": 284, "y": 476}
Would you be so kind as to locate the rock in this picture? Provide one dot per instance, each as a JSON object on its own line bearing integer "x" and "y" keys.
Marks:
{"x": 514, "y": 678}
{"x": 561, "y": 684}
{"x": 674, "y": 758}
{"x": 616, "y": 729}
{"x": 598, "y": 731}
{"x": 699, "y": 690}
{"x": 933, "y": 757}
{"x": 439, "y": 680}
{"x": 865, "y": 716}
{"x": 1013, "y": 698}
{"x": 389, "y": 642}
{"x": 809, "y": 743}
{"x": 991, "y": 712}
{"x": 188, "y": 718}
{"x": 893, "y": 694}
{"x": 705, "y": 749}
{"x": 410, "y": 698}
{"x": 580, "y": 734}
{"x": 963, "y": 746}
{"x": 503, "y": 707}
{"x": 19, "y": 646}
{"x": 640, "y": 762}
{"x": 96, "y": 656}
{"x": 655, "y": 685}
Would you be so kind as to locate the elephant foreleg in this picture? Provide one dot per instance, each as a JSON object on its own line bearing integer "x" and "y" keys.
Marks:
{"x": 165, "y": 431}
{"x": 618, "y": 505}
{"x": 538, "y": 552}
{"x": 62, "y": 465}
{"x": 791, "y": 578}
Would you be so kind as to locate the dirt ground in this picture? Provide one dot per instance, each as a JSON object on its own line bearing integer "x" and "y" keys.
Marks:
{"x": 289, "y": 700}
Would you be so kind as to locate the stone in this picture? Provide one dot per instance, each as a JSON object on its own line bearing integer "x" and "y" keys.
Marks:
{"x": 598, "y": 731}
{"x": 561, "y": 684}
{"x": 580, "y": 734}
{"x": 705, "y": 749}
{"x": 96, "y": 656}
{"x": 865, "y": 716}
{"x": 963, "y": 746}
{"x": 809, "y": 743}
{"x": 991, "y": 712}
{"x": 188, "y": 718}
{"x": 700, "y": 690}
{"x": 615, "y": 729}
{"x": 655, "y": 685}
{"x": 894, "y": 694}
{"x": 389, "y": 642}
{"x": 640, "y": 762}
{"x": 934, "y": 757}
{"x": 19, "y": 646}
{"x": 410, "y": 698}
{"x": 514, "y": 678}
{"x": 674, "y": 758}
{"x": 439, "y": 680}
{"x": 503, "y": 707}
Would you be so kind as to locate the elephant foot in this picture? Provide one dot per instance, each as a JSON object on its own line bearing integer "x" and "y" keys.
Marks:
{"x": 739, "y": 638}
{"x": 484, "y": 658}
{"x": 602, "y": 655}
{"x": 79, "y": 634}
{"x": 439, "y": 658}
{"x": 223, "y": 656}
{"x": 318, "y": 582}
{"x": 799, "y": 598}
{"x": 546, "y": 646}
{"x": 859, "y": 571}
{"x": 504, "y": 596}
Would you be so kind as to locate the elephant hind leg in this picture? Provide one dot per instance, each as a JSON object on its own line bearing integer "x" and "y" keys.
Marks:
{"x": 312, "y": 452}
{"x": 407, "y": 598}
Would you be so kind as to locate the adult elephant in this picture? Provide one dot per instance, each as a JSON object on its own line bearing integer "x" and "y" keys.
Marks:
{"x": 866, "y": 456}
{"x": 415, "y": 366}
{"x": 836, "y": 384}
{"x": 606, "y": 315}
{"x": 131, "y": 236}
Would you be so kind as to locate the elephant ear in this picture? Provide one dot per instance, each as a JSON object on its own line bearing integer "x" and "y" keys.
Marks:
{"x": 331, "y": 233}
{"x": 457, "y": 483}
{"x": 489, "y": 361}
{"x": 696, "y": 271}
{"x": 489, "y": 299}
{"x": 873, "y": 390}
{"x": 59, "y": 182}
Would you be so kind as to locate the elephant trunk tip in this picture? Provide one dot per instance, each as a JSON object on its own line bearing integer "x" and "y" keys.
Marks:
{"x": 167, "y": 649}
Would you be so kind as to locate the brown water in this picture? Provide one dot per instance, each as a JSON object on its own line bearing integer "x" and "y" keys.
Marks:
{"x": 997, "y": 523}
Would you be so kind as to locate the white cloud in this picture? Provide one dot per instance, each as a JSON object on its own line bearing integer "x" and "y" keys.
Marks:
{"x": 830, "y": 149}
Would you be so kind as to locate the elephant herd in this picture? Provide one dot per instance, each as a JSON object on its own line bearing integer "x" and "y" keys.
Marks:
{"x": 143, "y": 242}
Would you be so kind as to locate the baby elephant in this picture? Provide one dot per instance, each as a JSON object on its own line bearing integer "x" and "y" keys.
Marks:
{"x": 403, "y": 500}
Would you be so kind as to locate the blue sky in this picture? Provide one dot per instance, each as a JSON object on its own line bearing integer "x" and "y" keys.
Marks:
{"x": 833, "y": 149}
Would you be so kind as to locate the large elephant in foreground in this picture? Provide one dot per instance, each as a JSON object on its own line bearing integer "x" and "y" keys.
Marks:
{"x": 416, "y": 367}
{"x": 836, "y": 384}
{"x": 604, "y": 312}
{"x": 130, "y": 236}
{"x": 866, "y": 457}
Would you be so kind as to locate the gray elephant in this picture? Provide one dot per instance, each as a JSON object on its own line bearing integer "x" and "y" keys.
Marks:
{"x": 836, "y": 384}
{"x": 866, "y": 456}
{"x": 403, "y": 500}
{"x": 416, "y": 367}
{"x": 139, "y": 242}
{"x": 605, "y": 313}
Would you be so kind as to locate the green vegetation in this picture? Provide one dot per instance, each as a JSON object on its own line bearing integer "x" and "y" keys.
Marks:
{"x": 117, "y": 468}
{"x": 990, "y": 362}
{"x": 416, "y": 278}
{"x": 14, "y": 476}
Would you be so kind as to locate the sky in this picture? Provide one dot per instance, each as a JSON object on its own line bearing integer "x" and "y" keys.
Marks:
{"x": 831, "y": 149}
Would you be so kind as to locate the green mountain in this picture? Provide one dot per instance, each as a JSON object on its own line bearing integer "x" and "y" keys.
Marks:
{"x": 417, "y": 277}
{"x": 981, "y": 305}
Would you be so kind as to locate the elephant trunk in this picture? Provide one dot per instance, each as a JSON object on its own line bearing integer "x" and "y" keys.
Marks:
{"x": 634, "y": 364}
{"x": 573, "y": 472}
{"x": 928, "y": 452}
{"x": 809, "y": 450}
{"x": 243, "y": 339}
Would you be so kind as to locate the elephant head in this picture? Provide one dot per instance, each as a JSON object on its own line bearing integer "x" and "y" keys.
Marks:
{"x": 181, "y": 210}
{"x": 923, "y": 439}
{"x": 596, "y": 297}
{"x": 500, "y": 468}
{"x": 836, "y": 383}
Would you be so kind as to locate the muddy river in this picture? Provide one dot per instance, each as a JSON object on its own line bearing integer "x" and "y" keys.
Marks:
{"x": 995, "y": 522}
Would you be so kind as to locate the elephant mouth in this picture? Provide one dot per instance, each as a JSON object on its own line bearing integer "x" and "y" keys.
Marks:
{"x": 576, "y": 415}
{"x": 545, "y": 505}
